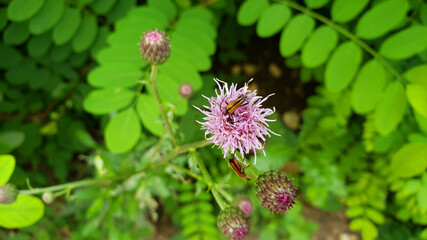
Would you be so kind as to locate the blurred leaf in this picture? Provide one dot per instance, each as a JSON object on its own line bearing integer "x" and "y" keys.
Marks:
{"x": 182, "y": 71}
{"x": 390, "y": 109}
{"x": 422, "y": 122}
{"x": 149, "y": 114}
{"x": 193, "y": 54}
{"x": 421, "y": 198}
{"x": 417, "y": 96}
{"x": 123, "y": 55}
{"x": 368, "y": 87}
{"x": 250, "y": 11}
{"x": 123, "y": 131}
{"x": 25, "y": 211}
{"x": 9, "y": 57}
{"x": 169, "y": 8}
{"x": 314, "y": 4}
{"x": 47, "y": 17}
{"x": 67, "y": 26}
{"x": 86, "y": 34}
{"x": 295, "y": 33}
{"x": 3, "y": 17}
{"x": 115, "y": 75}
{"x": 11, "y": 140}
{"x": 95, "y": 207}
{"x": 60, "y": 53}
{"x": 22, "y": 73}
{"x": 7, "y": 165}
{"x": 16, "y": 33}
{"x": 376, "y": 216}
{"x": 381, "y": 18}
{"x": 100, "y": 41}
{"x": 39, "y": 45}
{"x": 106, "y": 100}
{"x": 409, "y": 160}
{"x": 355, "y": 211}
{"x": 345, "y": 10}
{"x": 343, "y": 66}
{"x": 102, "y": 6}
{"x": 367, "y": 228}
{"x": 273, "y": 19}
{"x": 120, "y": 10}
{"x": 21, "y": 10}
{"x": 318, "y": 47}
{"x": 405, "y": 43}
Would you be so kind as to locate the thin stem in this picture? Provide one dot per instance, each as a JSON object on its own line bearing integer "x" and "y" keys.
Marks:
{"x": 179, "y": 150}
{"x": 349, "y": 35}
{"x": 253, "y": 171}
{"x": 71, "y": 185}
{"x": 222, "y": 204}
{"x": 154, "y": 69}
{"x": 225, "y": 194}
{"x": 188, "y": 172}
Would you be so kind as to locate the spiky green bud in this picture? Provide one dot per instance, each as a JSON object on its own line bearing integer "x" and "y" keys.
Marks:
{"x": 233, "y": 223}
{"x": 275, "y": 191}
{"x": 155, "y": 47}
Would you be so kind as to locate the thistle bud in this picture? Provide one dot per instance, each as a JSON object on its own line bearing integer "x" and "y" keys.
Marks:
{"x": 155, "y": 47}
{"x": 48, "y": 197}
{"x": 185, "y": 90}
{"x": 232, "y": 223}
{"x": 275, "y": 191}
{"x": 244, "y": 203}
{"x": 8, "y": 193}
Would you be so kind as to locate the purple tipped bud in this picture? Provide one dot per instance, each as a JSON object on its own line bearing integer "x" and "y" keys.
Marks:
{"x": 155, "y": 47}
{"x": 8, "y": 193}
{"x": 275, "y": 191}
{"x": 186, "y": 90}
{"x": 232, "y": 223}
{"x": 245, "y": 204}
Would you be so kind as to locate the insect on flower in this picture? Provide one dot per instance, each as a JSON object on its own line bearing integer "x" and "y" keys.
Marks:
{"x": 235, "y": 119}
{"x": 238, "y": 169}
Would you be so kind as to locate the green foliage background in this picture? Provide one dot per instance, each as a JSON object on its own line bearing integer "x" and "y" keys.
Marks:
{"x": 72, "y": 77}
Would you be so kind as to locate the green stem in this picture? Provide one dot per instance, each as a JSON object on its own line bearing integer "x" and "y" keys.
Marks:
{"x": 225, "y": 194}
{"x": 179, "y": 150}
{"x": 154, "y": 69}
{"x": 349, "y": 35}
{"x": 71, "y": 185}
{"x": 188, "y": 172}
{"x": 222, "y": 204}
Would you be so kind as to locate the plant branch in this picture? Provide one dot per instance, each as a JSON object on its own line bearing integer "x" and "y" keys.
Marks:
{"x": 154, "y": 69}
{"x": 349, "y": 35}
{"x": 71, "y": 185}
{"x": 212, "y": 187}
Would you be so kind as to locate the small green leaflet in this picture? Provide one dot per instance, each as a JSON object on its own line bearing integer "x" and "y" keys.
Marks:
{"x": 25, "y": 211}
{"x": 410, "y": 160}
{"x": 405, "y": 43}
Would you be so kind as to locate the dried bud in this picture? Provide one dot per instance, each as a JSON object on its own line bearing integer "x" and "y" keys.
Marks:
{"x": 155, "y": 47}
{"x": 275, "y": 191}
{"x": 244, "y": 203}
{"x": 186, "y": 90}
{"x": 232, "y": 223}
{"x": 8, "y": 193}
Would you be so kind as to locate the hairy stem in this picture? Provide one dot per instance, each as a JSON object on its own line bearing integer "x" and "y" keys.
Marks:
{"x": 212, "y": 187}
{"x": 154, "y": 69}
{"x": 349, "y": 35}
{"x": 71, "y": 185}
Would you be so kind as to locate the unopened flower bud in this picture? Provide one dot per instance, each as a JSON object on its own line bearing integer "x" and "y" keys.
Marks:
{"x": 155, "y": 47}
{"x": 48, "y": 197}
{"x": 233, "y": 223}
{"x": 186, "y": 90}
{"x": 275, "y": 191}
{"x": 8, "y": 193}
{"x": 245, "y": 204}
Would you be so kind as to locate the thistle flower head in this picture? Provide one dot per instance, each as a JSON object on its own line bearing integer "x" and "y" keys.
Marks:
{"x": 232, "y": 223}
{"x": 154, "y": 47}
{"x": 236, "y": 120}
{"x": 8, "y": 193}
{"x": 245, "y": 204}
{"x": 275, "y": 191}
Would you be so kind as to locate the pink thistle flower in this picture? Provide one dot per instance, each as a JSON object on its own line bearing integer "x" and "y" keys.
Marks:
{"x": 242, "y": 130}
